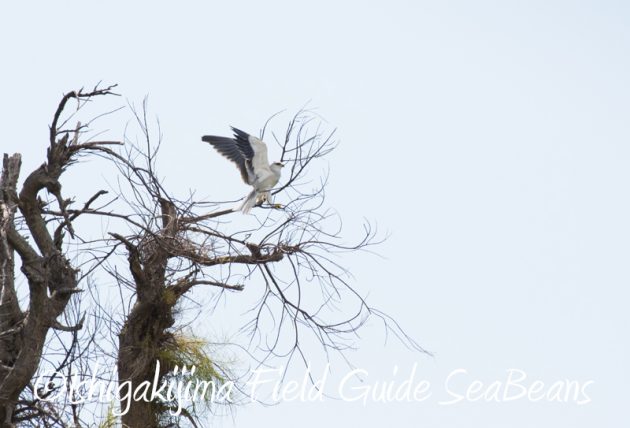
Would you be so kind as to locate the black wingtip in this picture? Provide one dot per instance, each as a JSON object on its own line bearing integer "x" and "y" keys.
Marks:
{"x": 237, "y": 132}
{"x": 212, "y": 139}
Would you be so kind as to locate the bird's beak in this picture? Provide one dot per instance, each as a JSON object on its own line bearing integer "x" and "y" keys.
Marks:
{"x": 281, "y": 165}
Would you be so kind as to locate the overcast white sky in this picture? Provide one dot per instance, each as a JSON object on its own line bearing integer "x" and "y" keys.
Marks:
{"x": 490, "y": 138}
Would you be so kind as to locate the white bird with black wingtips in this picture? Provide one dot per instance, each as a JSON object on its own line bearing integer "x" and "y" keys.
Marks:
{"x": 250, "y": 156}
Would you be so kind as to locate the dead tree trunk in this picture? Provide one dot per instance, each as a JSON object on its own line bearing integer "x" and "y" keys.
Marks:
{"x": 145, "y": 330}
{"x": 51, "y": 278}
{"x": 10, "y": 312}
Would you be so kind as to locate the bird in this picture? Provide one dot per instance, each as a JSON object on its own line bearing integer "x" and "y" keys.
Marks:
{"x": 250, "y": 156}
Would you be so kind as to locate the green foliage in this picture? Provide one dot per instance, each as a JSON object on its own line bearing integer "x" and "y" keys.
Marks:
{"x": 110, "y": 420}
{"x": 190, "y": 351}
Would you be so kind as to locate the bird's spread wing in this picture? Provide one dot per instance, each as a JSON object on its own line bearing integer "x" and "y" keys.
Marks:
{"x": 254, "y": 149}
{"x": 232, "y": 150}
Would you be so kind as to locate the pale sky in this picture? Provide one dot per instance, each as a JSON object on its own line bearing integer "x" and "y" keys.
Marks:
{"x": 491, "y": 139}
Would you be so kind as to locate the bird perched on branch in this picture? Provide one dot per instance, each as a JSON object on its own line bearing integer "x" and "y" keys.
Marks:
{"x": 250, "y": 156}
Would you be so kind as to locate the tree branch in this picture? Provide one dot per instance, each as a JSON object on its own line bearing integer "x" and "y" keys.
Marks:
{"x": 182, "y": 287}
{"x": 58, "y": 326}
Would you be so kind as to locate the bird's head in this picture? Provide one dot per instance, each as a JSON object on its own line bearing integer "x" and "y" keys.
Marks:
{"x": 276, "y": 167}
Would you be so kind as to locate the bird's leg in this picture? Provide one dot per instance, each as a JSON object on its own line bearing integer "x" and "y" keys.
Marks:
{"x": 270, "y": 200}
{"x": 260, "y": 198}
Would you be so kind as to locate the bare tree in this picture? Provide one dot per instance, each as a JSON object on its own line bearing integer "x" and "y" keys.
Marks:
{"x": 52, "y": 279}
{"x": 170, "y": 245}
{"x": 176, "y": 244}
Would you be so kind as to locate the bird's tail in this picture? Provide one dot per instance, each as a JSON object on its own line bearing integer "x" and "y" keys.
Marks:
{"x": 249, "y": 202}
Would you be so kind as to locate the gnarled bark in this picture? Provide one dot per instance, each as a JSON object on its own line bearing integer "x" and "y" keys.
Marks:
{"x": 51, "y": 278}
